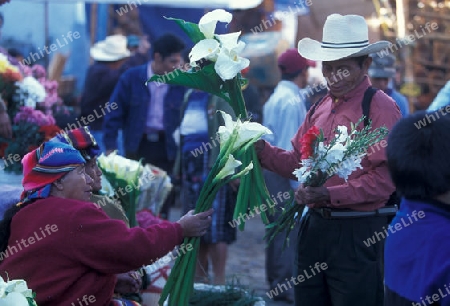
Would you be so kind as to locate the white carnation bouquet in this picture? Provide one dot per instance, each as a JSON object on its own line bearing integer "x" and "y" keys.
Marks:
{"x": 16, "y": 293}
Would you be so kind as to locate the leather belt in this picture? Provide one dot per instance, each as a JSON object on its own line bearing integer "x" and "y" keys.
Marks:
{"x": 330, "y": 213}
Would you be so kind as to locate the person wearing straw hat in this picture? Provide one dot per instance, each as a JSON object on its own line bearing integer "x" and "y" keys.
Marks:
{"x": 101, "y": 78}
{"x": 67, "y": 249}
{"x": 341, "y": 215}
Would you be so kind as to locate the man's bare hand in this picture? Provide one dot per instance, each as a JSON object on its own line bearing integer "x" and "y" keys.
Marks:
{"x": 196, "y": 225}
{"x": 312, "y": 195}
{"x": 5, "y": 125}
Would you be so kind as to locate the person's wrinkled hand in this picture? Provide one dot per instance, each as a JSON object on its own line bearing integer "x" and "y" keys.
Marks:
{"x": 130, "y": 282}
{"x": 196, "y": 225}
{"x": 5, "y": 125}
{"x": 312, "y": 195}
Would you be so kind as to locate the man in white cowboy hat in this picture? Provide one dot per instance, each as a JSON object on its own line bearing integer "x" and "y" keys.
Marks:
{"x": 101, "y": 78}
{"x": 342, "y": 215}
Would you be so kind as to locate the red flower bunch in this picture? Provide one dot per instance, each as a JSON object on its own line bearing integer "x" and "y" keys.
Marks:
{"x": 308, "y": 141}
{"x": 12, "y": 76}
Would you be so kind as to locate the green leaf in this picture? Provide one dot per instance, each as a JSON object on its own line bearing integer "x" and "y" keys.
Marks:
{"x": 205, "y": 79}
{"x": 191, "y": 29}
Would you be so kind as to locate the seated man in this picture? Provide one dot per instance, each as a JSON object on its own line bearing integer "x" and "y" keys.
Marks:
{"x": 417, "y": 253}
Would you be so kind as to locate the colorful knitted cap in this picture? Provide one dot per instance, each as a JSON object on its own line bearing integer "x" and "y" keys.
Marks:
{"x": 46, "y": 164}
{"x": 82, "y": 140}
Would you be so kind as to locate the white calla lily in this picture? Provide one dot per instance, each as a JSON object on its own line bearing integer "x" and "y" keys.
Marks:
{"x": 229, "y": 64}
{"x": 248, "y": 132}
{"x": 244, "y": 171}
{"x": 226, "y": 130}
{"x": 229, "y": 168}
{"x": 230, "y": 41}
{"x": 208, "y": 22}
{"x": 206, "y": 48}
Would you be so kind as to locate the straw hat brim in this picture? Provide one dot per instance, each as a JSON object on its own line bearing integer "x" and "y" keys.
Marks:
{"x": 313, "y": 50}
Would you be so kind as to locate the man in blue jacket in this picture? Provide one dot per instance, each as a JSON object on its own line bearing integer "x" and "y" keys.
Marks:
{"x": 148, "y": 114}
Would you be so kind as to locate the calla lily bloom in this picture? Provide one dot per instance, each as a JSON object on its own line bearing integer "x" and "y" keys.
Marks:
{"x": 243, "y": 171}
{"x": 208, "y": 22}
{"x": 229, "y": 64}
{"x": 248, "y": 132}
{"x": 229, "y": 168}
{"x": 207, "y": 48}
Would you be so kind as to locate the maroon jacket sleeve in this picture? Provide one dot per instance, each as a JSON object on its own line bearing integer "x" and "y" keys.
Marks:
{"x": 109, "y": 246}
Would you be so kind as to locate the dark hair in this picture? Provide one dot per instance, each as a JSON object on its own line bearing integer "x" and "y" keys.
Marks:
{"x": 417, "y": 154}
{"x": 14, "y": 52}
{"x": 5, "y": 225}
{"x": 360, "y": 60}
{"x": 167, "y": 45}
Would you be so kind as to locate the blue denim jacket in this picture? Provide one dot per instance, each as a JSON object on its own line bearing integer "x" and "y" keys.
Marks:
{"x": 132, "y": 97}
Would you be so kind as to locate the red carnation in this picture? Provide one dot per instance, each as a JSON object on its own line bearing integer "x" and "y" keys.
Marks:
{"x": 307, "y": 142}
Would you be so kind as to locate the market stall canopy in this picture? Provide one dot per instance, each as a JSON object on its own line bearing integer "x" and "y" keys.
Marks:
{"x": 226, "y": 4}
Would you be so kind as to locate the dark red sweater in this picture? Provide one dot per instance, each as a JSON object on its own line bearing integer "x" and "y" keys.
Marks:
{"x": 71, "y": 249}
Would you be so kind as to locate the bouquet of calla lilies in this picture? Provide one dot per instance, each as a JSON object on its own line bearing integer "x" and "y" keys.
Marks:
{"x": 320, "y": 161}
{"x": 123, "y": 174}
{"x": 16, "y": 293}
{"x": 235, "y": 138}
{"x": 215, "y": 67}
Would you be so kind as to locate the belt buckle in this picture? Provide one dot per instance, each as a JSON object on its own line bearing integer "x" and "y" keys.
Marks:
{"x": 153, "y": 137}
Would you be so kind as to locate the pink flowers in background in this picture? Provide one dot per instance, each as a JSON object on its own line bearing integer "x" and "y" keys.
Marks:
{"x": 51, "y": 87}
{"x": 30, "y": 115}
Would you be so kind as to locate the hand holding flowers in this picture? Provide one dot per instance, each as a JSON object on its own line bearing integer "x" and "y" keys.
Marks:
{"x": 319, "y": 162}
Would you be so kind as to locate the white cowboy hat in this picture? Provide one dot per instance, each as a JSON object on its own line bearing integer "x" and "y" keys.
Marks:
{"x": 343, "y": 36}
{"x": 112, "y": 49}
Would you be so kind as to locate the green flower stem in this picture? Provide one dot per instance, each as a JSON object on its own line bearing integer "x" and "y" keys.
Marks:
{"x": 255, "y": 176}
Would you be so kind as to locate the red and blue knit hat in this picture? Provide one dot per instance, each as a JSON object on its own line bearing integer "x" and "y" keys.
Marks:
{"x": 82, "y": 140}
{"x": 46, "y": 164}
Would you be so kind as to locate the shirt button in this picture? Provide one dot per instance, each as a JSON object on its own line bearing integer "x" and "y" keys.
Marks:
{"x": 333, "y": 111}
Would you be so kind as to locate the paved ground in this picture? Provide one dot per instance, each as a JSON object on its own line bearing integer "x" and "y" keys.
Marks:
{"x": 246, "y": 258}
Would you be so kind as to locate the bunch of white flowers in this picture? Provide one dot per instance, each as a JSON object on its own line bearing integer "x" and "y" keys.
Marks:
{"x": 222, "y": 49}
{"x": 30, "y": 91}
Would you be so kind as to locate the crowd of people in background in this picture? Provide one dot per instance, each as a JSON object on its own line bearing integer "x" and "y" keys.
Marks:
{"x": 163, "y": 124}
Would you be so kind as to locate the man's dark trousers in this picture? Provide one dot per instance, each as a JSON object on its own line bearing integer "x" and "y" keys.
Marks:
{"x": 354, "y": 273}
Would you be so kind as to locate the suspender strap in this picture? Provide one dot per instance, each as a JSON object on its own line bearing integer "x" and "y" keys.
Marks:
{"x": 368, "y": 95}
{"x": 367, "y": 99}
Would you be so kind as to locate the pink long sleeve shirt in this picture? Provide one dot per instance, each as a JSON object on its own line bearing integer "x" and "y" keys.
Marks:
{"x": 69, "y": 250}
{"x": 366, "y": 189}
